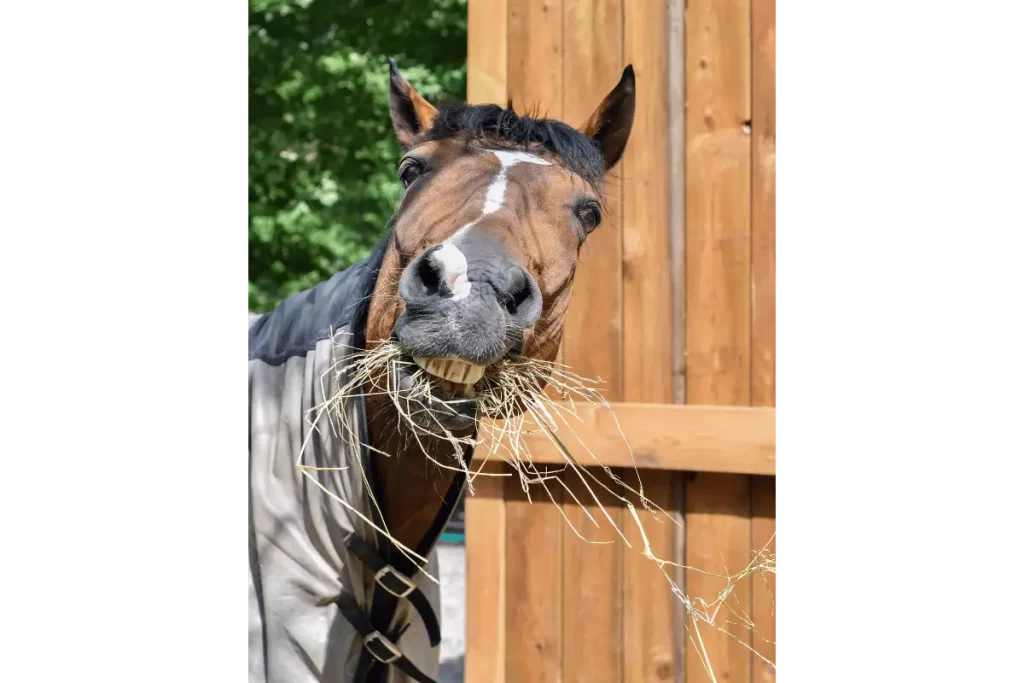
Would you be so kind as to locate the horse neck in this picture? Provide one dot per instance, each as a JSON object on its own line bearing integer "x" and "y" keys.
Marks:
{"x": 411, "y": 483}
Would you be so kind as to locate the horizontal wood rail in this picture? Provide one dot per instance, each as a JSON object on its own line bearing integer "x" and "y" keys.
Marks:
{"x": 665, "y": 436}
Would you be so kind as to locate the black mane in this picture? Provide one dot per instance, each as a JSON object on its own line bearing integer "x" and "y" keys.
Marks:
{"x": 578, "y": 152}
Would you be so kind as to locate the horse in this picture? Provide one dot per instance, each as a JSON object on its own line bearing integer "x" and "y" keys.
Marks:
{"x": 477, "y": 267}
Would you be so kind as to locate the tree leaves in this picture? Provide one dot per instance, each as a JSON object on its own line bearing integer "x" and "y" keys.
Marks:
{"x": 322, "y": 158}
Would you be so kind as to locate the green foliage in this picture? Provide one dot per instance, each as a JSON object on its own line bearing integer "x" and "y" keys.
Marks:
{"x": 322, "y": 154}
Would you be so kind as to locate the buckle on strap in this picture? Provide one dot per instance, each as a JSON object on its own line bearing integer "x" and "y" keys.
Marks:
{"x": 374, "y": 639}
{"x": 387, "y": 572}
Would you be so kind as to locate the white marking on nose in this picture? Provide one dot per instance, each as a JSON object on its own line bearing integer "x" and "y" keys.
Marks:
{"x": 450, "y": 259}
{"x": 453, "y": 267}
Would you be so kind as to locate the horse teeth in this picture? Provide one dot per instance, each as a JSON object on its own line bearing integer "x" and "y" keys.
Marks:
{"x": 451, "y": 369}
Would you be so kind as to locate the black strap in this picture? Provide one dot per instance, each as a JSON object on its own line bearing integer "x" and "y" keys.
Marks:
{"x": 375, "y": 642}
{"x": 397, "y": 584}
{"x": 382, "y": 609}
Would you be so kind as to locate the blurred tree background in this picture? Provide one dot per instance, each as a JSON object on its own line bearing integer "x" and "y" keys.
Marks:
{"x": 322, "y": 155}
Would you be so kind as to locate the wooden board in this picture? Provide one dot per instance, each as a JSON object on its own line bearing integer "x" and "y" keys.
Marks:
{"x": 592, "y": 346}
{"x": 718, "y": 540}
{"x": 486, "y": 52}
{"x": 763, "y": 311}
{"x": 762, "y": 587}
{"x": 676, "y": 140}
{"x": 533, "y": 587}
{"x": 718, "y": 202}
{"x": 667, "y": 436}
{"x": 718, "y": 313}
{"x": 592, "y": 586}
{"x": 763, "y": 200}
{"x": 485, "y": 581}
{"x": 651, "y": 653}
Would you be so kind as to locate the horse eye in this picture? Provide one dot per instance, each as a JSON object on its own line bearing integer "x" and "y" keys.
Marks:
{"x": 590, "y": 216}
{"x": 409, "y": 171}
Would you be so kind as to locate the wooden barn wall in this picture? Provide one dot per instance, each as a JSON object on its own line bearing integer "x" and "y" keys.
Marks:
{"x": 674, "y": 300}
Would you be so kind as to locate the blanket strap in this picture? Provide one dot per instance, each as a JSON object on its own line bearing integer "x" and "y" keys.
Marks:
{"x": 396, "y": 583}
{"x": 377, "y": 644}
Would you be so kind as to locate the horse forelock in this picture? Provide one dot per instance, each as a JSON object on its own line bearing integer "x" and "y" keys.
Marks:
{"x": 496, "y": 126}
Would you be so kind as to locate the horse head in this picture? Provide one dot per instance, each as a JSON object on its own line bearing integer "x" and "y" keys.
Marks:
{"x": 485, "y": 241}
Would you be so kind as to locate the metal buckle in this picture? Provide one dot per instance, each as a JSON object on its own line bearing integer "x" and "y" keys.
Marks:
{"x": 376, "y": 637}
{"x": 401, "y": 578}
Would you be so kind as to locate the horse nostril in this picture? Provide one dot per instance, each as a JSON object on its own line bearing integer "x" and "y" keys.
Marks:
{"x": 518, "y": 290}
{"x": 429, "y": 276}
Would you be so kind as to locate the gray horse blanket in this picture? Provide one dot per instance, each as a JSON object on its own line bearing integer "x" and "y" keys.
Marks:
{"x": 330, "y": 599}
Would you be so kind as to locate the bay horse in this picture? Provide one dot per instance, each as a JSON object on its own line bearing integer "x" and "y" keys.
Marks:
{"x": 477, "y": 265}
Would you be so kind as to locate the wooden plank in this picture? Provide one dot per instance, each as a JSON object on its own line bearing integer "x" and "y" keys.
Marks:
{"x": 647, "y": 285}
{"x": 487, "y": 53}
{"x": 534, "y": 42}
{"x": 592, "y": 347}
{"x": 533, "y": 587}
{"x": 718, "y": 541}
{"x": 763, "y": 201}
{"x": 649, "y": 648}
{"x": 677, "y": 193}
{"x": 718, "y": 313}
{"x": 592, "y": 586}
{"x": 485, "y": 581}
{"x": 718, "y": 202}
{"x": 763, "y": 322}
{"x": 649, "y": 651}
{"x": 534, "y": 530}
{"x": 762, "y": 503}
{"x": 736, "y": 439}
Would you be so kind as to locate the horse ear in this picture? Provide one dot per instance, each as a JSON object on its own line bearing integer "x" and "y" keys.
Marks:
{"x": 410, "y": 113}
{"x": 613, "y": 119}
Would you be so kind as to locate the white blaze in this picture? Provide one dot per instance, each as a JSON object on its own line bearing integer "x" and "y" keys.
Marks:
{"x": 453, "y": 268}
{"x": 450, "y": 259}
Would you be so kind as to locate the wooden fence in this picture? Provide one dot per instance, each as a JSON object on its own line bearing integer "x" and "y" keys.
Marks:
{"x": 674, "y": 306}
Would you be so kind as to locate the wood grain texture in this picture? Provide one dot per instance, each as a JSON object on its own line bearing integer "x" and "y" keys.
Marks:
{"x": 677, "y": 189}
{"x": 535, "y": 68}
{"x": 718, "y": 541}
{"x": 485, "y": 581}
{"x": 650, "y": 648}
{"x": 718, "y": 202}
{"x": 718, "y": 312}
{"x": 592, "y": 587}
{"x": 647, "y": 284}
{"x": 762, "y": 587}
{"x": 592, "y": 346}
{"x": 487, "y": 52}
{"x": 763, "y": 201}
{"x": 667, "y": 436}
{"x": 762, "y": 374}
{"x": 533, "y": 586}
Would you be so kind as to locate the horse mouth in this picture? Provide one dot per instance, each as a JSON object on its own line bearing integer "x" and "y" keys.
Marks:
{"x": 452, "y": 370}
{"x": 439, "y": 392}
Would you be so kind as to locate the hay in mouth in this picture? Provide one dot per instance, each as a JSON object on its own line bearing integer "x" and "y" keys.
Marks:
{"x": 504, "y": 396}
